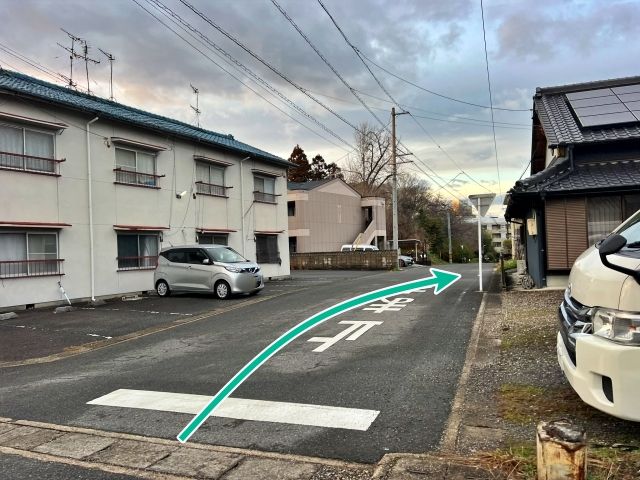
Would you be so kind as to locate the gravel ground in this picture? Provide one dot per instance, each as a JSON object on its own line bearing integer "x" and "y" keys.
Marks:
{"x": 516, "y": 381}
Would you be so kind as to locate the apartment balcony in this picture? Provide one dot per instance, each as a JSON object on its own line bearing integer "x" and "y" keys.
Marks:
{"x": 30, "y": 163}
{"x": 211, "y": 189}
{"x": 137, "y": 263}
{"x": 136, "y": 179}
{"x": 263, "y": 197}
{"x": 30, "y": 268}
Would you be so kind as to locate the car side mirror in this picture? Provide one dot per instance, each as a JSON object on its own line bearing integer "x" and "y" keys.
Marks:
{"x": 206, "y": 261}
{"x": 613, "y": 244}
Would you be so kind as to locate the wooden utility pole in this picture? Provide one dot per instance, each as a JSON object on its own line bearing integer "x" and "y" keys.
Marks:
{"x": 449, "y": 232}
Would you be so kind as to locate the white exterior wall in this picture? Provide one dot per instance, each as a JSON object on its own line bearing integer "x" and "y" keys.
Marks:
{"x": 27, "y": 197}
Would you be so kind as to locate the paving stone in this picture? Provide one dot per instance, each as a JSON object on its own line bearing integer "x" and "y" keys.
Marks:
{"x": 8, "y": 315}
{"x": 27, "y": 438}
{"x": 194, "y": 462}
{"x": 417, "y": 469}
{"x": 5, "y": 427}
{"x": 75, "y": 445}
{"x": 129, "y": 453}
{"x": 267, "y": 469}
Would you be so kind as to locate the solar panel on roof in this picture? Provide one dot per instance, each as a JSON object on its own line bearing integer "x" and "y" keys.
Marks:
{"x": 601, "y": 92}
{"x": 606, "y": 106}
{"x": 626, "y": 89}
{"x": 607, "y": 119}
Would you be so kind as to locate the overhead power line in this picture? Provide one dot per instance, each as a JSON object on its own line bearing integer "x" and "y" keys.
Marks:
{"x": 168, "y": 12}
{"x": 265, "y": 63}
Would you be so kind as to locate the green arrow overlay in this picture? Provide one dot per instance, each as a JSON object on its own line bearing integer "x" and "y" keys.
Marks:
{"x": 439, "y": 279}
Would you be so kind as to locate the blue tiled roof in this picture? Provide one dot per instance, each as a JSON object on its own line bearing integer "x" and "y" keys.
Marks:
{"x": 307, "y": 185}
{"x": 48, "y": 92}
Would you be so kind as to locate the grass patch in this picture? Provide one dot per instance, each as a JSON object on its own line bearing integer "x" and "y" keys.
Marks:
{"x": 541, "y": 338}
{"x": 528, "y": 404}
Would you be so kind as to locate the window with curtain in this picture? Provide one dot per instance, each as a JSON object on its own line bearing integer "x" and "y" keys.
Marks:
{"x": 267, "y": 249}
{"x": 136, "y": 168}
{"x": 604, "y": 215}
{"x": 213, "y": 238}
{"x": 210, "y": 179}
{"x": 28, "y": 254}
{"x": 264, "y": 189}
{"x": 137, "y": 251}
{"x": 26, "y": 149}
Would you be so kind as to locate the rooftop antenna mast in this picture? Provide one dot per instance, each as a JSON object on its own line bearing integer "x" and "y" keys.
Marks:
{"x": 111, "y": 58}
{"x": 85, "y": 57}
{"x": 196, "y": 109}
{"x": 72, "y": 55}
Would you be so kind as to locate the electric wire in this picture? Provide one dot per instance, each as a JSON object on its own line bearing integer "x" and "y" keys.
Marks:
{"x": 486, "y": 57}
{"x": 229, "y": 59}
{"x": 265, "y": 63}
{"x": 38, "y": 66}
{"x": 237, "y": 78}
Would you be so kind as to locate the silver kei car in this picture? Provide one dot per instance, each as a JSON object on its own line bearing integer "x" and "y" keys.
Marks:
{"x": 206, "y": 268}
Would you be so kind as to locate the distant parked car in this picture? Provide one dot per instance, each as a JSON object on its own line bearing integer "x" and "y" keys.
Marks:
{"x": 358, "y": 248}
{"x": 206, "y": 268}
{"x": 404, "y": 260}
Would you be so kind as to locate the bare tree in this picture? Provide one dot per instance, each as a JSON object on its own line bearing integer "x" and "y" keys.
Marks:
{"x": 369, "y": 169}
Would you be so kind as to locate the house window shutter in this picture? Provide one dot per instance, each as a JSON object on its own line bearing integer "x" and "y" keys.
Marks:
{"x": 556, "y": 228}
{"x": 576, "y": 213}
{"x": 566, "y": 228}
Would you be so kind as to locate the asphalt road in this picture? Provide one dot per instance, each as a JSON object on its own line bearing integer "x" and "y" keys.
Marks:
{"x": 406, "y": 366}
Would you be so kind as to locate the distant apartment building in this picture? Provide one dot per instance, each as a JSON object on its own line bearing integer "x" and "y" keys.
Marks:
{"x": 498, "y": 229}
{"x": 326, "y": 214}
{"x": 91, "y": 190}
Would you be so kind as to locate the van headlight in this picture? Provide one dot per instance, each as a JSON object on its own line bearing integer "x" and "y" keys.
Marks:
{"x": 233, "y": 269}
{"x": 617, "y": 326}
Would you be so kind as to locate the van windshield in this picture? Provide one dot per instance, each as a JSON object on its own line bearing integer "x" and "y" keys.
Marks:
{"x": 225, "y": 255}
{"x": 631, "y": 231}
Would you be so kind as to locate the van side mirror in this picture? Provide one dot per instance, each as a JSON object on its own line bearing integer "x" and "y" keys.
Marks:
{"x": 613, "y": 244}
{"x": 206, "y": 261}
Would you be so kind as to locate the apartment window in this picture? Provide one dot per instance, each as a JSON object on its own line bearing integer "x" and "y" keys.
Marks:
{"x": 267, "y": 249}
{"x": 293, "y": 244}
{"x": 26, "y": 149}
{"x": 291, "y": 209}
{"x": 136, "y": 168}
{"x": 210, "y": 179}
{"x": 29, "y": 255}
{"x": 264, "y": 189}
{"x": 137, "y": 251}
{"x": 213, "y": 238}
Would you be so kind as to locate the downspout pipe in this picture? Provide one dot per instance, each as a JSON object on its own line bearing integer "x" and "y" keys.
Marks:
{"x": 244, "y": 240}
{"x": 89, "y": 181}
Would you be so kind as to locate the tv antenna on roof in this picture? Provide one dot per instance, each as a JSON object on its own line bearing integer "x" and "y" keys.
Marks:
{"x": 72, "y": 55}
{"x": 111, "y": 59}
{"x": 196, "y": 109}
{"x": 85, "y": 57}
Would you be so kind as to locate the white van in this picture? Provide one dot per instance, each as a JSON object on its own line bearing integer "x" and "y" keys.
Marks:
{"x": 358, "y": 248}
{"x": 599, "y": 339}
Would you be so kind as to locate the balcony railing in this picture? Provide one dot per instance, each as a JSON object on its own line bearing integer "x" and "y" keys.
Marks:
{"x": 138, "y": 263}
{"x": 30, "y": 268}
{"x": 139, "y": 179}
{"x": 29, "y": 163}
{"x": 265, "y": 197}
{"x": 204, "y": 188}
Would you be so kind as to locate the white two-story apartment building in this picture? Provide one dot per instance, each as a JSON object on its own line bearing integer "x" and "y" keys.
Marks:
{"x": 91, "y": 190}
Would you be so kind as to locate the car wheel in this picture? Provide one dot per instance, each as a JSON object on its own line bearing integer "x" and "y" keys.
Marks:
{"x": 162, "y": 288}
{"x": 402, "y": 264}
{"x": 222, "y": 289}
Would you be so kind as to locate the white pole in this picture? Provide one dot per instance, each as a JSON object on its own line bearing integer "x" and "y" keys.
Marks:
{"x": 479, "y": 247}
{"x": 244, "y": 240}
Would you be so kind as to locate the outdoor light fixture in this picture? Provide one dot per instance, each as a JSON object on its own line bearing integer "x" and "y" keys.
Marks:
{"x": 180, "y": 195}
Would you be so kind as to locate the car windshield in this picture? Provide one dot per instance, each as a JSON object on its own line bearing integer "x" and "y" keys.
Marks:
{"x": 225, "y": 255}
{"x": 631, "y": 231}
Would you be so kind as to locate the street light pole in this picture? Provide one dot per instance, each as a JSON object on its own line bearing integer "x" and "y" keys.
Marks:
{"x": 479, "y": 247}
{"x": 484, "y": 201}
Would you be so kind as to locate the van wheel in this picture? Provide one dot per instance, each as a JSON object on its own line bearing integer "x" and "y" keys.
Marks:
{"x": 222, "y": 289}
{"x": 162, "y": 288}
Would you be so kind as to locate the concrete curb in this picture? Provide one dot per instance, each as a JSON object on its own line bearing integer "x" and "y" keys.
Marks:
{"x": 8, "y": 315}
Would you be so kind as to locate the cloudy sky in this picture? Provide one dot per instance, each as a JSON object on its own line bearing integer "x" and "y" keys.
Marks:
{"x": 434, "y": 44}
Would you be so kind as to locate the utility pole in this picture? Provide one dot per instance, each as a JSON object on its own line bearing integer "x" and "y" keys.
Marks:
{"x": 196, "y": 109}
{"x": 394, "y": 166}
{"x": 449, "y": 231}
{"x": 111, "y": 58}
